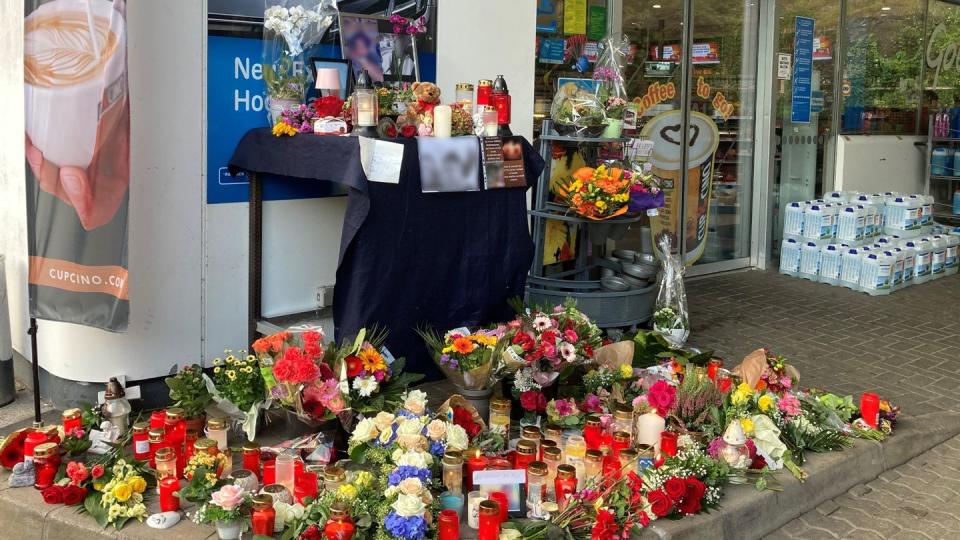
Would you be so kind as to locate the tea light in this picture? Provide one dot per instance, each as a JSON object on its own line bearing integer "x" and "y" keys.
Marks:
{"x": 649, "y": 428}
{"x": 442, "y": 121}
{"x": 474, "y": 498}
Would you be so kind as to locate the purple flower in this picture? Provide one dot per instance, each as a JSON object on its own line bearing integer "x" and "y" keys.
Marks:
{"x": 437, "y": 448}
{"x": 713, "y": 449}
{"x": 407, "y": 528}
{"x": 403, "y": 472}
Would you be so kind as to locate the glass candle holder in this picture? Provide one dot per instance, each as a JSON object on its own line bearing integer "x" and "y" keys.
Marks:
{"x": 490, "y": 121}
{"x": 553, "y": 457}
{"x": 46, "y": 461}
{"x": 484, "y": 89}
{"x": 263, "y": 516}
{"x": 72, "y": 419}
{"x": 141, "y": 444}
{"x": 217, "y": 430}
{"x": 285, "y": 471}
{"x": 453, "y": 472}
{"x": 503, "y": 503}
{"x": 340, "y": 525}
{"x": 474, "y": 498}
{"x": 489, "y": 518}
{"x": 169, "y": 501}
{"x": 166, "y": 462}
{"x": 32, "y": 440}
{"x": 156, "y": 438}
{"x": 592, "y": 432}
{"x": 278, "y": 492}
{"x": 621, "y": 441}
{"x": 553, "y": 433}
{"x": 622, "y": 418}
{"x": 158, "y": 419}
{"x": 593, "y": 465}
{"x": 245, "y": 479}
{"x": 713, "y": 367}
{"x": 189, "y": 440}
{"x": 448, "y": 525}
{"x": 333, "y": 477}
{"x": 476, "y": 461}
{"x": 452, "y": 500}
{"x": 526, "y": 453}
{"x": 269, "y": 472}
{"x": 251, "y": 458}
{"x": 306, "y": 486}
{"x": 536, "y": 488}
{"x": 645, "y": 455}
{"x": 500, "y": 416}
{"x": 464, "y": 96}
{"x": 565, "y": 484}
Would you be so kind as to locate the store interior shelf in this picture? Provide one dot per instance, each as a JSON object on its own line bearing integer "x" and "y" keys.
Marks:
{"x": 943, "y": 177}
{"x": 271, "y": 325}
{"x": 554, "y": 136}
{"x": 560, "y": 213}
{"x": 608, "y": 309}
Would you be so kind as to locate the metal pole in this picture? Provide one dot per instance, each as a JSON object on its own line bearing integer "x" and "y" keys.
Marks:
{"x": 37, "y": 421}
{"x": 686, "y": 76}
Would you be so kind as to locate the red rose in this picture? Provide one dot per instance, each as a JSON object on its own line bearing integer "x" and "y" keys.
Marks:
{"x": 408, "y": 130}
{"x": 689, "y": 505}
{"x": 52, "y": 495}
{"x": 391, "y": 131}
{"x": 463, "y": 418}
{"x": 74, "y": 495}
{"x": 311, "y": 533}
{"x": 695, "y": 488}
{"x": 96, "y": 471}
{"x": 676, "y": 488}
{"x": 354, "y": 366}
{"x": 660, "y": 503}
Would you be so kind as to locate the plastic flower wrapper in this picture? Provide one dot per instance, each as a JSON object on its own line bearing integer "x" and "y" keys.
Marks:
{"x": 237, "y": 389}
{"x": 608, "y": 70}
{"x": 766, "y": 436}
{"x": 577, "y": 111}
{"x": 670, "y": 315}
{"x": 468, "y": 358}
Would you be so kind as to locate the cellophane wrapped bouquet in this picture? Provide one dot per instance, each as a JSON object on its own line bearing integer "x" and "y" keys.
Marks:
{"x": 468, "y": 358}
{"x": 670, "y": 315}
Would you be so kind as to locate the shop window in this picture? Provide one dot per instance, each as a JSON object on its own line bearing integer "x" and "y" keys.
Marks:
{"x": 883, "y": 44}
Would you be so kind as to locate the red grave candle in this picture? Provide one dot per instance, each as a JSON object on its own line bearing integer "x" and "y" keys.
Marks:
{"x": 339, "y": 526}
{"x": 158, "y": 419}
{"x": 713, "y": 366}
{"x": 263, "y": 517}
{"x": 270, "y": 472}
{"x": 251, "y": 458}
{"x": 668, "y": 443}
{"x": 500, "y": 498}
{"x": 448, "y": 525}
{"x": 484, "y": 88}
{"x": 565, "y": 484}
{"x": 724, "y": 383}
{"x": 32, "y": 440}
{"x": 168, "y": 501}
{"x": 591, "y": 433}
{"x": 72, "y": 419}
{"x": 305, "y": 486}
{"x": 46, "y": 461}
{"x": 525, "y": 455}
{"x": 870, "y": 409}
{"x": 490, "y": 520}
{"x": 476, "y": 461}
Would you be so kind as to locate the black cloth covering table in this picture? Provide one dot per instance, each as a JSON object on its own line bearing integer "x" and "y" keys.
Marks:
{"x": 409, "y": 259}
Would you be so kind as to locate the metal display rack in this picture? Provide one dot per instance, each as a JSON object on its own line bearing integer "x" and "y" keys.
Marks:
{"x": 608, "y": 309}
{"x": 941, "y": 187}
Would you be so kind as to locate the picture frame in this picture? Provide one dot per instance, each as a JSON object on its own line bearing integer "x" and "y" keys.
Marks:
{"x": 346, "y": 73}
{"x": 369, "y": 42}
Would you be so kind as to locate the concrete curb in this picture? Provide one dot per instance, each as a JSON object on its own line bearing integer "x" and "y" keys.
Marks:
{"x": 747, "y": 513}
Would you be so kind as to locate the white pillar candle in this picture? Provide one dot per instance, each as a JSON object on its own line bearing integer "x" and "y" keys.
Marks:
{"x": 649, "y": 428}
{"x": 474, "y": 498}
{"x": 442, "y": 119}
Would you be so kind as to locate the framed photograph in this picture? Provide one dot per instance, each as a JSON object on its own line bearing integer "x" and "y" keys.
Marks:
{"x": 370, "y": 43}
{"x": 341, "y": 65}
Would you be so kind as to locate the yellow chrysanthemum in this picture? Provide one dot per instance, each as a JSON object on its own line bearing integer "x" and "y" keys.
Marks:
{"x": 216, "y": 369}
{"x": 741, "y": 394}
{"x": 232, "y": 375}
{"x": 626, "y": 370}
{"x": 122, "y": 492}
{"x": 765, "y": 402}
{"x": 747, "y": 425}
{"x": 346, "y": 492}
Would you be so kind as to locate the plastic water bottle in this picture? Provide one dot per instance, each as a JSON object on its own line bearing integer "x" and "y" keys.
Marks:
{"x": 875, "y": 273}
{"x": 793, "y": 220}
{"x": 938, "y": 161}
{"x": 833, "y": 211}
{"x": 956, "y": 202}
{"x": 809, "y": 261}
{"x": 926, "y": 210}
{"x": 817, "y": 224}
{"x": 938, "y": 256}
{"x": 921, "y": 260}
{"x": 850, "y": 268}
{"x": 836, "y": 197}
{"x": 952, "y": 262}
{"x": 830, "y": 264}
{"x": 896, "y": 277}
{"x": 851, "y": 224}
{"x": 789, "y": 257}
{"x": 909, "y": 263}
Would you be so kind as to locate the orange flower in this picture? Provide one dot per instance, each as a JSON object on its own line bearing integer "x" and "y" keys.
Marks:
{"x": 463, "y": 345}
{"x": 761, "y": 385}
{"x": 584, "y": 174}
{"x": 616, "y": 174}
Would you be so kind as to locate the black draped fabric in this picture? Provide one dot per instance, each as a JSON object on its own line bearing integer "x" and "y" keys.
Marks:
{"x": 410, "y": 259}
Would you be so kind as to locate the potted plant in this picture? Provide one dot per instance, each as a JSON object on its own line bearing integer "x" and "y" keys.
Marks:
{"x": 226, "y": 509}
{"x": 614, "y": 108}
{"x": 189, "y": 392}
{"x": 285, "y": 88}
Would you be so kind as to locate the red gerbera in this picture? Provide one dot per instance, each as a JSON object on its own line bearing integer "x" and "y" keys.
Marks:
{"x": 354, "y": 366}
{"x": 13, "y": 450}
{"x": 605, "y": 527}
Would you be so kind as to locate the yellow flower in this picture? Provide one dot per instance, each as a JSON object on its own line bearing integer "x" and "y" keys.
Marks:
{"x": 231, "y": 374}
{"x": 741, "y": 394}
{"x": 747, "y": 425}
{"x": 765, "y": 402}
{"x": 346, "y": 492}
{"x": 217, "y": 361}
{"x": 98, "y": 486}
{"x": 363, "y": 479}
{"x": 138, "y": 484}
{"x": 216, "y": 369}
{"x": 283, "y": 128}
{"x": 231, "y": 359}
{"x": 626, "y": 370}
{"x": 122, "y": 492}
{"x": 372, "y": 360}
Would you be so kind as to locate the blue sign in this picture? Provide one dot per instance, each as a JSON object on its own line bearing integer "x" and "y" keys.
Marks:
{"x": 237, "y": 102}
{"x": 552, "y": 50}
{"x": 802, "y": 70}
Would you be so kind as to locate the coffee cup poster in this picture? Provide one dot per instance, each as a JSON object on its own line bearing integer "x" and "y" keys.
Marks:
{"x": 78, "y": 160}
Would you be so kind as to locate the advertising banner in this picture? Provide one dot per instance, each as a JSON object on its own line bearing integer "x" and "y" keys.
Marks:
{"x": 78, "y": 160}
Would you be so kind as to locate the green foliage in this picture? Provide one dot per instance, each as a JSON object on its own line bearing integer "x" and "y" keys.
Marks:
{"x": 188, "y": 390}
{"x": 650, "y": 349}
{"x": 283, "y": 82}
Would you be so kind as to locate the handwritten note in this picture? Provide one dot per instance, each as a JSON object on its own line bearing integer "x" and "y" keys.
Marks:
{"x": 381, "y": 160}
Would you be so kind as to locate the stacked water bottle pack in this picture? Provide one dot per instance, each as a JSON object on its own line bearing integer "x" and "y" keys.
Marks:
{"x": 875, "y": 243}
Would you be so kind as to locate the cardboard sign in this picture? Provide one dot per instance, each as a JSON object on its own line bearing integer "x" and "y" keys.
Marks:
{"x": 783, "y": 66}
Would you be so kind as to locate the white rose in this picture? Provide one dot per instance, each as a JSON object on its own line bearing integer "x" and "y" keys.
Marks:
{"x": 286, "y": 513}
{"x": 411, "y": 486}
{"x": 415, "y": 401}
{"x": 510, "y": 534}
{"x": 383, "y": 420}
{"x": 457, "y": 438}
{"x": 436, "y": 429}
{"x": 365, "y": 430}
{"x": 414, "y": 459}
{"x": 408, "y": 506}
{"x": 385, "y": 437}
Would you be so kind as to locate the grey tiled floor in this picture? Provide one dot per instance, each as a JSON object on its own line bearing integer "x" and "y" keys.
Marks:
{"x": 905, "y": 346}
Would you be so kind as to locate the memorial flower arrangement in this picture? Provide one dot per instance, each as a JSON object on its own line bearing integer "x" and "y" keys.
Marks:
{"x": 467, "y": 358}
{"x": 371, "y": 379}
{"x": 202, "y": 472}
{"x": 598, "y": 193}
{"x": 290, "y": 24}
{"x": 189, "y": 391}
{"x": 295, "y": 120}
{"x": 296, "y": 376}
{"x": 362, "y": 492}
{"x": 118, "y": 494}
{"x": 237, "y": 379}
{"x": 544, "y": 346}
{"x": 226, "y": 504}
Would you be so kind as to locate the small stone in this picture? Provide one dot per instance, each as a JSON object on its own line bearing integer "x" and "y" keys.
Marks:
{"x": 859, "y": 490}
{"x": 163, "y": 520}
{"x": 23, "y": 475}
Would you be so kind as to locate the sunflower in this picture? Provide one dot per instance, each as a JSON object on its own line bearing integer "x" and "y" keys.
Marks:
{"x": 463, "y": 345}
{"x": 372, "y": 360}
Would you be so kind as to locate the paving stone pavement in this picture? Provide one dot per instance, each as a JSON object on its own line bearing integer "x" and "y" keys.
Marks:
{"x": 905, "y": 346}
{"x": 919, "y": 500}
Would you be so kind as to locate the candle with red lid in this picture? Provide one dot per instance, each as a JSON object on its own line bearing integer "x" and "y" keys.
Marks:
{"x": 158, "y": 419}
{"x": 476, "y": 461}
{"x": 870, "y": 409}
{"x": 168, "y": 501}
{"x": 713, "y": 366}
{"x": 72, "y": 419}
{"x": 448, "y": 525}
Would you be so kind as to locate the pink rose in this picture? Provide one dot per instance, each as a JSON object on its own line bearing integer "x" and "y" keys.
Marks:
{"x": 228, "y": 497}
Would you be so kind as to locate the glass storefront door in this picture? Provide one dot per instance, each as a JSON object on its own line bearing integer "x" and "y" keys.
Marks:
{"x": 705, "y": 118}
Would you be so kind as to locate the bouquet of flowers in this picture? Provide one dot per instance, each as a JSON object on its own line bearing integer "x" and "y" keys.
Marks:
{"x": 293, "y": 121}
{"x": 238, "y": 389}
{"x": 72, "y": 489}
{"x": 189, "y": 391}
{"x": 670, "y": 317}
{"x": 614, "y": 107}
{"x": 202, "y": 471}
{"x": 598, "y": 193}
{"x": 118, "y": 494}
{"x": 408, "y": 499}
{"x": 226, "y": 504}
{"x": 292, "y": 24}
{"x": 545, "y": 346}
{"x": 645, "y": 192}
{"x": 467, "y": 358}
{"x": 576, "y": 111}
{"x": 362, "y": 493}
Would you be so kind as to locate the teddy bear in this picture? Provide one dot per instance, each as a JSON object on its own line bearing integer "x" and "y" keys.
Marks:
{"x": 427, "y": 95}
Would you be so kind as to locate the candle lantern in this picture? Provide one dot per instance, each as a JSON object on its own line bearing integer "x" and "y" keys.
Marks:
{"x": 553, "y": 433}
{"x": 734, "y": 449}
{"x": 141, "y": 444}
{"x": 553, "y": 457}
{"x": 284, "y": 471}
{"x": 339, "y": 526}
{"x": 490, "y": 120}
{"x": 333, "y": 477}
{"x": 526, "y": 453}
{"x": 500, "y": 416}
{"x": 484, "y": 88}
{"x": 116, "y": 408}
{"x": 500, "y": 99}
{"x": 365, "y": 107}
{"x": 190, "y": 438}
{"x": 217, "y": 430}
{"x": 453, "y": 471}
{"x": 628, "y": 461}
{"x": 72, "y": 419}
{"x": 464, "y": 96}
{"x": 251, "y": 458}
{"x": 622, "y": 418}
{"x": 32, "y": 440}
{"x": 621, "y": 441}
{"x": 500, "y": 497}
{"x": 536, "y": 488}
{"x": 245, "y": 479}
{"x": 489, "y": 518}
{"x": 156, "y": 439}
{"x": 476, "y": 461}
{"x": 474, "y": 498}
{"x": 448, "y": 524}
{"x": 591, "y": 432}
{"x": 263, "y": 516}
{"x": 870, "y": 409}
{"x": 713, "y": 367}
{"x": 165, "y": 462}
